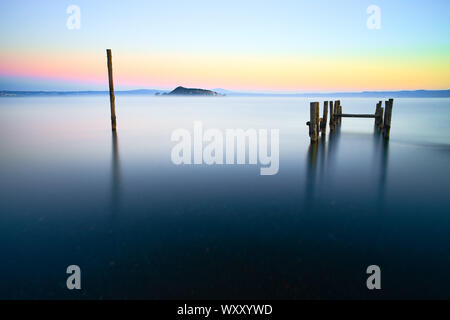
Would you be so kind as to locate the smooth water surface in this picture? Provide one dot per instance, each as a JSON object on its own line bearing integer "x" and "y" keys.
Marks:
{"x": 139, "y": 226}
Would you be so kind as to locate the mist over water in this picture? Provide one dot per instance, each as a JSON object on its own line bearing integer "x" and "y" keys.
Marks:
{"x": 72, "y": 192}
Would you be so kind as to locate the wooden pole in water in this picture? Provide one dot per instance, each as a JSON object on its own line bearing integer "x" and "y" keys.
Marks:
{"x": 317, "y": 111}
{"x": 388, "y": 118}
{"x": 111, "y": 90}
{"x": 331, "y": 116}
{"x": 381, "y": 120}
{"x": 338, "y": 111}
{"x": 381, "y": 124}
{"x": 313, "y": 121}
{"x": 377, "y": 115}
{"x": 323, "y": 124}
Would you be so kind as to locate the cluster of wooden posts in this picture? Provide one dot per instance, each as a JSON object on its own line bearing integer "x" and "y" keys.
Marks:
{"x": 316, "y": 124}
{"x": 319, "y": 125}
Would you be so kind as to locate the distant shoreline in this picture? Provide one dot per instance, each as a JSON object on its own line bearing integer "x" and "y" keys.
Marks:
{"x": 153, "y": 92}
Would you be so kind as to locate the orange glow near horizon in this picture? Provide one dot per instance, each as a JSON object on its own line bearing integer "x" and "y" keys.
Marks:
{"x": 302, "y": 73}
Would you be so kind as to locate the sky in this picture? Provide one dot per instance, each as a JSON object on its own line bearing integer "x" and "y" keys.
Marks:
{"x": 246, "y": 45}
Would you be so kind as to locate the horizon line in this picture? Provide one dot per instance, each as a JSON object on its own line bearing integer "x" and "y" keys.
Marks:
{"x": 232, "y": 91}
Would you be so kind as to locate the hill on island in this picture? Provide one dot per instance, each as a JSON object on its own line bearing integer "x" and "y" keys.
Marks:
{"x": 182, "y": 91}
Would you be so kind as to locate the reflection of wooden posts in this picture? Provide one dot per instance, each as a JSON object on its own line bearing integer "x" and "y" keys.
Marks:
{"x": 313, "y": 122}
{"x": 111, "y": 90}
{"x": 323, "y": 122}
{"x": 388, "y": 118}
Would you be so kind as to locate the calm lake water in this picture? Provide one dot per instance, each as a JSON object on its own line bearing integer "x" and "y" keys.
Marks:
{"x": 141, "y": 227}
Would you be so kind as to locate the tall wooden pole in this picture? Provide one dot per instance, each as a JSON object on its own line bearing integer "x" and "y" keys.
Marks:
{"x": 111, "y": 90}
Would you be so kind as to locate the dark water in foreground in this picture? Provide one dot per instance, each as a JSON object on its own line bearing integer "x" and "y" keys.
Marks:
{"x": 141, "y": 227}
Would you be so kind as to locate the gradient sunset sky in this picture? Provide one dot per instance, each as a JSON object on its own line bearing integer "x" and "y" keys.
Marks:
{"x": 268, "y": 46}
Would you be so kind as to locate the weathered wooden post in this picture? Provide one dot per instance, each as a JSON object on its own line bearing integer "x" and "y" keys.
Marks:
{"x": 317, "y": 122}
{"x": 111, "y": 90}
{"x": 377, "y": 108}
{"x": 381, "y": 121}
{"x": 331, "y": 116}
{"x": 323, "y": 123}
{"x": 377, "y": 115}
{"x": 313, "y": 122}
{"x": 338, "y": 111}
{"x": 388, "y": 118}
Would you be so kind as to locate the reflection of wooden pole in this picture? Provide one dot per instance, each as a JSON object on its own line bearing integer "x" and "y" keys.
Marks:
{"x": 115, "y": 191}
{"x": 111, "y": 90}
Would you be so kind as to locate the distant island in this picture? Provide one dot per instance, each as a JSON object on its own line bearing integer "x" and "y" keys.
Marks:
{"x": 182, "y": 91}
{"x": 222, "y": 92}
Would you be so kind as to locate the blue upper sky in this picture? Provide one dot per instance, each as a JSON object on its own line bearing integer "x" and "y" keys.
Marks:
{"x": 263, "y": 29}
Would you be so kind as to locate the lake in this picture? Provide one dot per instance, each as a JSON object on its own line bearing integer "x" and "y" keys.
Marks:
{"x": 141, "y": 227}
